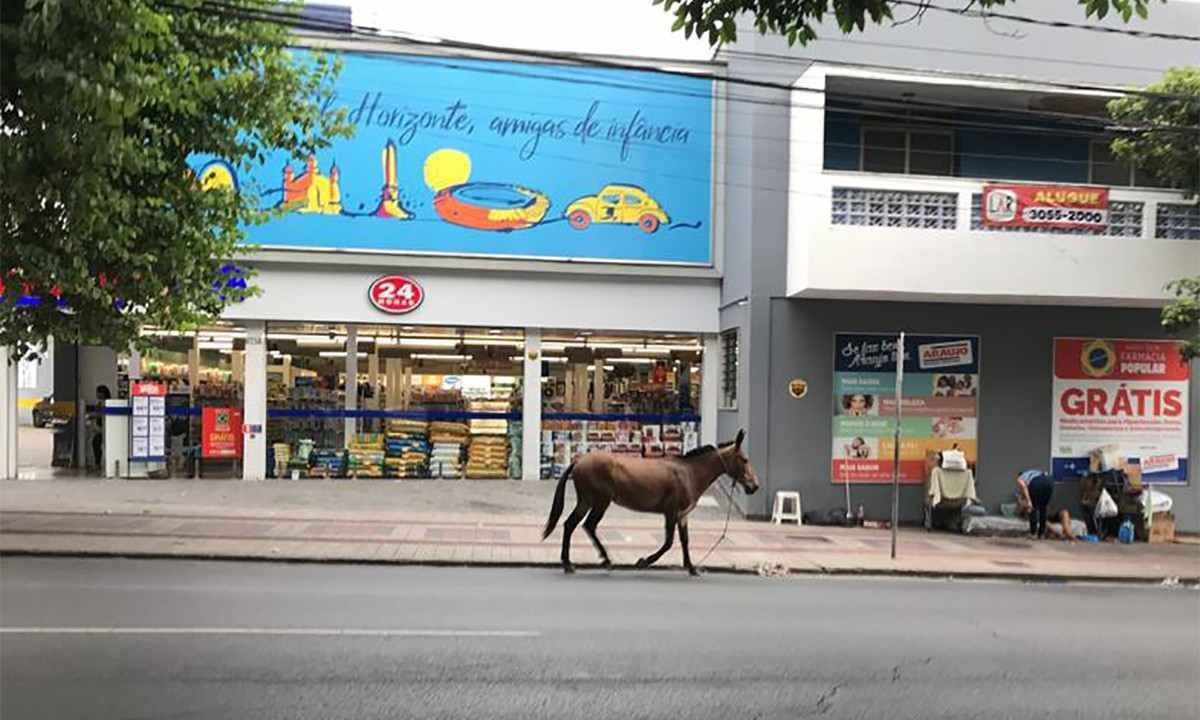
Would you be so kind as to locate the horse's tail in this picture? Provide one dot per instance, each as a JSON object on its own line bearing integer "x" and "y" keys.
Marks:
{"x": 556, "y": 507}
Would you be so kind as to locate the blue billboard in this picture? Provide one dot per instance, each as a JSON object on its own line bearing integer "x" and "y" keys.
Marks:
{"x": 471, "y": 157}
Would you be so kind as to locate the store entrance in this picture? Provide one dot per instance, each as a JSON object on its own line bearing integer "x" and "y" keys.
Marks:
{"x": 412, "y": 403}
{"x": 421, "y": 402}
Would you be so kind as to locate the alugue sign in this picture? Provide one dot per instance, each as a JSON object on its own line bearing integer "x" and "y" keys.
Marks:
{"x": 396, "y": 294}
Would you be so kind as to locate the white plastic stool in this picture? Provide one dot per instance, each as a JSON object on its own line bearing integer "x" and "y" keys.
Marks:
{"x": 778, "y": 513}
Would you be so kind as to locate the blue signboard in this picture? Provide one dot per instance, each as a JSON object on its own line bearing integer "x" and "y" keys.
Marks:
{"x": 471, "y": 157}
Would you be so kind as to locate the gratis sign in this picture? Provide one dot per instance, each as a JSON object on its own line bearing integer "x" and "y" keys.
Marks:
{"x": 1128, "y": 393}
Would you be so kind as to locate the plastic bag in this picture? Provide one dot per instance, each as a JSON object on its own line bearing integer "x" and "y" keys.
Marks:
{"x": 1106, "y": 507}
{"x": 954, "y": 460}
{"x": 1159, "y": 502}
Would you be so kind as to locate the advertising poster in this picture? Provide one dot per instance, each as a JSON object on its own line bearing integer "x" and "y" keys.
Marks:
{"x": 1034, "y": 206}
{"x": 147, "y": 427}
{"x": 940, "y": 404}
{"x": 1129, "y": 393}
{"x": 466, "y": 156}
{"x": 220, "y": 433}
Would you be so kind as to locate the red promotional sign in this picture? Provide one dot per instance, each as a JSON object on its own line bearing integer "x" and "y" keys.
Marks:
{"x": 221, "y": 432}
{"x": 148, "y": 388}
{"x": 396, "y": 294}
{"x": 1045, "y": 206}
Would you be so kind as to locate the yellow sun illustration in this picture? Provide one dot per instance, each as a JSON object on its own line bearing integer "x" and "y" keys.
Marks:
{"x": 217, "y": 175}
{"x": 446, "y": 167}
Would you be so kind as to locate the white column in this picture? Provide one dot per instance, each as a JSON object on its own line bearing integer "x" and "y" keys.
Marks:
{"x": 237, "y": 363}
{"x": 135, "y": 363}
{"x": 194, "y": 364}
{"x": 254, "y": 413}
{"x": 8, "y": 415}
{"x": 373, "y": 379}
{"x": 351, "y": 380}
{"x": 531, "y": 407}
{"x": 709, "y": 389}
{"x": 598, "y": 386}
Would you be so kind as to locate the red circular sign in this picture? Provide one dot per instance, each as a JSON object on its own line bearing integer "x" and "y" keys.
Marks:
{"x": 396, "y": 294}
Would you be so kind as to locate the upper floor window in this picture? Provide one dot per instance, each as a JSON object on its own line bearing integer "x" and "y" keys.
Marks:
{"x": 1105, "y": 168}
{"x": 912, "y": 151}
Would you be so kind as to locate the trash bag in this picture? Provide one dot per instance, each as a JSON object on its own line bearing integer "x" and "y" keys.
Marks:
{"x": 1106, "y": 507}
{"x": 975, "y": 510}
{"x": 835, "y": 517}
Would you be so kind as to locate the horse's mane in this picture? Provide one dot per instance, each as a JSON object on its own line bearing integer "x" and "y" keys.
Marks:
{"x": 702, "y": 450}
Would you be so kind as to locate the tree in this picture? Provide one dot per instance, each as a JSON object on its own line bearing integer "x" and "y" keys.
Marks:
{"x": 716, "y": 20}
{"x": 1171, "y": 152}
{"x": 1182, "y": 316}
{"x": 102, "y": 103}
{"x": 1172, "y": 156}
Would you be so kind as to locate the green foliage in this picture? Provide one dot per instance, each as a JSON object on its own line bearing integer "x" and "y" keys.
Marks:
{"x": 1182, "y": 316}
{"x": 1156, "y": 144}
{"x": 716, "y": 20}
{"x": 102, "y": 104}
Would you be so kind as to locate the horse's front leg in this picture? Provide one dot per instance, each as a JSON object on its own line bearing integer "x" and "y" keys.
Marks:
{"x": 683, "y": 543}
{"x": 653, "y": 557}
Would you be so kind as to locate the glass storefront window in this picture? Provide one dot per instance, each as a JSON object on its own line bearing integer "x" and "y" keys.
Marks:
{"x": 623, "y": 394}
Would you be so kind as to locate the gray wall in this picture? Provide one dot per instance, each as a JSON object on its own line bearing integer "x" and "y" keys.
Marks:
{"x": 756, "y": 216}
{"x": 1014, "y": 399}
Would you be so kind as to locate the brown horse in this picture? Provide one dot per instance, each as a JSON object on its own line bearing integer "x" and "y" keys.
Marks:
{"x": 670, "y": 486}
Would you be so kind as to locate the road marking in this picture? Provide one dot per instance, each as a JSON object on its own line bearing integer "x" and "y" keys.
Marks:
{"x": 319, "y": 632}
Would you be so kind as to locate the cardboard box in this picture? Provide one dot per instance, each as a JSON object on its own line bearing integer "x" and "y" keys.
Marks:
{"x": 1162, "y": 528}
{"x": 1104, "y": 458}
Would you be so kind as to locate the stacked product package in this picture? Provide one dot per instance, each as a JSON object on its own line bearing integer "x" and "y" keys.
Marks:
{"x": 487, "y": 456}
{"x": 448, "y": 439}
{"x": 406, "y": 449}
{"x": 366, "y": 456}
{"x": 283, "y": 454}
{"x": 326, "y": 463}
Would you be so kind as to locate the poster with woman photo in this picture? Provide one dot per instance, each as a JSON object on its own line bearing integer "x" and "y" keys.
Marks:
{"x": 940, "y": 404}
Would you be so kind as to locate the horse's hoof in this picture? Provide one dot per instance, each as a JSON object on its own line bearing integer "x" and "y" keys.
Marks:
{"x": 606, "y": 565}
{"x": 693, "y": 572}
{"x": 641, "y": 563}
{"x": 568, "y": 569}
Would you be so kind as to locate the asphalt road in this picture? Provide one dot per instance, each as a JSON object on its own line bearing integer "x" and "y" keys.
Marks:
{"x": 164, "y": 639}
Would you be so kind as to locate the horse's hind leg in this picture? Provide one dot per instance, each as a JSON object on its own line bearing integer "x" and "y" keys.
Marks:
{"x": 581, "y": 508}
{"x": 593, "y": 520}
{"x": 653, "y": 557}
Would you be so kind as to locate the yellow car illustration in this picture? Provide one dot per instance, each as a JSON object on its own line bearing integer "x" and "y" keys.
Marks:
{"x": 622, "y": 204}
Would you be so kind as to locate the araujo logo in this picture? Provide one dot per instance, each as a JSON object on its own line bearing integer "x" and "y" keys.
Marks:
{"x": 1097, "y": 358}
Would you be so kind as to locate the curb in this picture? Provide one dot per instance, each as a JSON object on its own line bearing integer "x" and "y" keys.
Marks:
{"x": 1028, "y": 578}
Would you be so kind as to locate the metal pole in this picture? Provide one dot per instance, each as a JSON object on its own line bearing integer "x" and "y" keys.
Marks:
{"x": 896, "y": 440}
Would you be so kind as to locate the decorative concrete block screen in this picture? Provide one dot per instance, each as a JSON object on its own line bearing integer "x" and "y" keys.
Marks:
{"x": 894, "y": 208}
{"x": 1177, "y": 222}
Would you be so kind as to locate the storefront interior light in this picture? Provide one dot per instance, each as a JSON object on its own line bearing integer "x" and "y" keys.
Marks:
{"x": 429, "y": 342}
{"x": 216, "y": 345}
{"x": 632, "y": 361}
{"x": 338, "y": 353}
{"x": 439, "y": 356}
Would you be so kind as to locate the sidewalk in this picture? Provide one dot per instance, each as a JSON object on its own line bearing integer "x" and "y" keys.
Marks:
{"x": 499, "y": 523}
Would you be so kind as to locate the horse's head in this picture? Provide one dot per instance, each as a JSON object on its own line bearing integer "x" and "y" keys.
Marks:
{"x": 737, "y": 464}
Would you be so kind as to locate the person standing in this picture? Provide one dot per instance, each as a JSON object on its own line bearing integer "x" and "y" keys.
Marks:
{"x": 1035, "y": 488}
{"x": 103, "y": 394}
